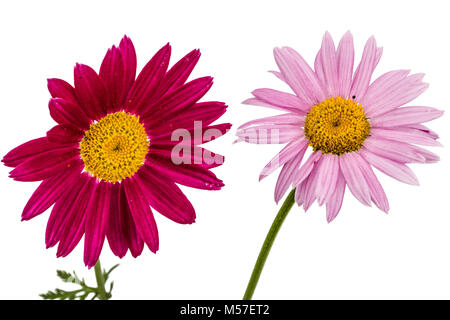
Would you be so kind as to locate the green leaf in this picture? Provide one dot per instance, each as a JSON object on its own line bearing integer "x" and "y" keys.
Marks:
{"x": 82, "y": 293}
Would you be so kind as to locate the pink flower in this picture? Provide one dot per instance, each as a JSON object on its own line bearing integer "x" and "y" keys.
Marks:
{"x": 109, "y": 159}
{"x": 350, "y": 123}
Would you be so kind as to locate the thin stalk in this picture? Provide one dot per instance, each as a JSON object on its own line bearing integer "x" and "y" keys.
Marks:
{"x": 267, "y": 245}
{"x": 100, "y": 281}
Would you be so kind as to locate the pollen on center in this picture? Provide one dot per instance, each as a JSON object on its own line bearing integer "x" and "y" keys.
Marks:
{"x": 114, "y": 148}
{"x": 337, "y": 126}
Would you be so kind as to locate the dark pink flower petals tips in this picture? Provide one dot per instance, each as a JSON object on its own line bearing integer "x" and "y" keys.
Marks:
{"x": 112, "y": 159}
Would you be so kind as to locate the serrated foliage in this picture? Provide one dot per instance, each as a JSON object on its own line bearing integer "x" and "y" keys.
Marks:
{"x": 83, "y": 292}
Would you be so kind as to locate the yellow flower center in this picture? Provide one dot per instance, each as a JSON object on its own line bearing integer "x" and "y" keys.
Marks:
{"x": 114, "y": 147}
{"x": 336, "y": 126}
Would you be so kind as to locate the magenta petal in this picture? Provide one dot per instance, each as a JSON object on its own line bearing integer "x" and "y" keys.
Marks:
{"x": 65, "y": 112}
{"x": 178, "y": 74}
{"x": 112, "y": 74}
{"x": 191, "y": 175}
{"x": 203, "y": 113}
{"x": 172, "y": 104}
{"x": 49, "y": 191}
{"x": 142, "y": 214}
{"x": 194, "y": 155}
{"x": 90, "y": 91}
{"x": 97, "y": 214}
{"x": 28, "y": 150}
{"x": 165, "y": 197}
{"x": 129, "y": 62}
{"x": 74, "y": 226}
{"x": 116, "y": 226}
{"x": 64, "y": 134}
{"x": 61, "y": 89}
{"x": 66, "y": 203}
{"x": 207, "y": 134}
{"x": 134, "y": 240}
{"x": 148, "y": 80}
{"x": 45, "y": 165}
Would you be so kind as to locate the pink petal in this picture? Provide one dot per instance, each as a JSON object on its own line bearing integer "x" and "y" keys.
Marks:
{"x": 310, "y": 187}
{"x": 334, "y": 202}
{"x": 423, "y": 129}
{"x": 406, "y": 116}
{"x": 46, "y": 164}
{"x": 394, "y": 169}
{"x": 329, "y": 65}
{"x": 142, "y": 215}
{"x": 286, "y": 176}
{"x": 406, "y": 135}
{"x": 282, "y": 119}
{"x": 286, "y": 154}
{"x": 282, "y": 100}
{"x": 376, "y": 190}
{"x": 165, "y": 197}
{"x": 354, "y": 177}
{"x": 299, "y": 76}
{"x": 383, "y": 84}
{"x": 402, "y": 94}
{"x": 364, "y": 70}
{"x": 327, "y": 176}
{"x": 97, "y": 215}
{"x": 306, "y": 169}
{"x": 50, "y": 190}
{"x": 345, "y": 60}
{"x": 90, "y": 91}
{"x": 397, "y": 151}
{"x": 148, "y": 80}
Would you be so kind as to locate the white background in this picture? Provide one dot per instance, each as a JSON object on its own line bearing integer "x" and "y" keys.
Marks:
{"x": 363, "y": 254}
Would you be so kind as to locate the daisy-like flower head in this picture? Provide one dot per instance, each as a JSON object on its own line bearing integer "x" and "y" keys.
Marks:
{"x": 110, "y": 158}
{"x": 350, "y": 124}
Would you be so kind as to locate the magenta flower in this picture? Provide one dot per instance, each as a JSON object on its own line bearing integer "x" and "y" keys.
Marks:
{"x": 110, "y": 158}
{"x": 350, "y": 125}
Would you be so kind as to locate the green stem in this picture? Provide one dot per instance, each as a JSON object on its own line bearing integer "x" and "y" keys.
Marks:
{"x": 100, "y": 281}
{"x": 267, "y": 245}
